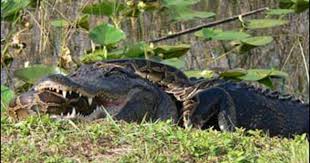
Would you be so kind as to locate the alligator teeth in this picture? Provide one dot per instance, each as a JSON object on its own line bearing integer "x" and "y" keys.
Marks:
{"x": 64, "y": 93}
{"x": 62, "y": 114}
{"x": 98, "y": 108}
{"x": 80, "y": 94}
{"x": 73, "y": 114}
{"x": 70, "y": 92}
{"x": 57, "y": 90}
{"x": 90, "y": 100}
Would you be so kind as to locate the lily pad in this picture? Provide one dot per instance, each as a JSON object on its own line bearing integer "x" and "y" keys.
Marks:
{"x": 208, "y": 33}
{"x": 171, "y": 51}
{"x": 180, "y": 10}
{"x": 35, "y": 72}
{"x": 230, "y": 35}
{"x": 106, "y": 8}
{"x": 83, "y": 22}
{"x": 257, "y": 41}
{"x": 234, "y": 73}
{"x": 264, "y": 23}
{"x": 259, "y": 74}
{"x": 135, "y": 50}
{"x": 179, "y": 2}
{"x": 301, "y": 5}
{"x": 278, "y": 74}
{"x": 267, "y": 82}
{"x": 6, "y": 96}
{"x": 184, "y": 13}
{"x": 279, "y": 11}
{"x": 10, "y": 9}
{"x": 106, "y": 34}
{"x": 98, "y": 55}
{"x": 197, "y": 73}
{"x": 175, "y": 62}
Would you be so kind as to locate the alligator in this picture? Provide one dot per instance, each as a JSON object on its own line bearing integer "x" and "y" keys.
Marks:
{"x": 216, "y": 102}
{"x": 226, "y": 104}
{"x": 95, "y": 91}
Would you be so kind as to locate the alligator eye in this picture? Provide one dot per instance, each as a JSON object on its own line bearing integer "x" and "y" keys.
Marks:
{"x": 114, "y": 72}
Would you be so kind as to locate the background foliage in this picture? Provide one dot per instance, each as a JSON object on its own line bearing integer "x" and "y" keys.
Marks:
{"x": 41, "y": 37}
{"x": 68, "y": 33}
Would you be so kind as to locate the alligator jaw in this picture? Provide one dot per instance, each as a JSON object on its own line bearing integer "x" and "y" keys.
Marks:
{"x": 99, "y": 112}
{"x": 63, "y": 89}
{"x": 70, "y": 104}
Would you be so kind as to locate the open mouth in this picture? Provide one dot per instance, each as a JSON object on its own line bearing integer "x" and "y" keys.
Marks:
{"x": 80, "y": 105}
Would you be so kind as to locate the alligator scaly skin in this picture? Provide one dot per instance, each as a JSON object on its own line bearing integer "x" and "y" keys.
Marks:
{"x": 242, "y": 105}
{"x": 234, "y": 104}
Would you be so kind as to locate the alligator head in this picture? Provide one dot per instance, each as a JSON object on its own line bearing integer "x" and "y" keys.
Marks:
{"x": 91, "y": 92}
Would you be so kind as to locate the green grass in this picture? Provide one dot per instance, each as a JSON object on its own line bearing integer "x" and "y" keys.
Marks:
{"x": 40, "y": 139}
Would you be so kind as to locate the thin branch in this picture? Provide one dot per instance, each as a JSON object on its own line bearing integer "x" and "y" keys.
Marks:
{"x": 197, "y": 28}
{"x": 304, "y": 60}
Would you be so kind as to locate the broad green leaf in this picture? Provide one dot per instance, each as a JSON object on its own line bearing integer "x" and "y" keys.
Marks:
{"x": 208, "y": 33}
{"x": 257, "y": 41}
{"x": 255, "y": 75}
{"x": 131, "y": 51}
{"x": 180, "y": 10}
{"x": 169, "y": 51}
{"x": 182, "y": 13}
{"x": 243, "y": 48}
{"x": 60, "y": 23}
{"x": 301, "y": 5}
{"x": 35, "y": 72}
{"x": 106, "y": 8}
{"x": 175, "y": 62}
{"x": 83, "y": 22}
{"x": 259, "y": 74}
{"x": 234, "y": 73}
{"x": 297, "y": 5}
{"x": 6, "y": 96}
{"x": 267, "y": 82}
{"x": 286, "y": 4}
{"x": 106, "y": 34}
{"x": 264, "y": 23}
{"x": 98, "y": 55}
{"x": 230, "y": 35}
{"x": 10, "y": 9}
{"x": 197, "y": 73}
{"x": 179, "y": 2}
{"x": 187, "y": 14}
{"x": 136, "y": 50}
{"x": 279, "y": 11}
{"x": 278, "y": 74}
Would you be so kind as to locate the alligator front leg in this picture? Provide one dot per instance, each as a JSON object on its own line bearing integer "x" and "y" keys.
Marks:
{"x": 147, "y": 104}
{"x": 214, "y": 102}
